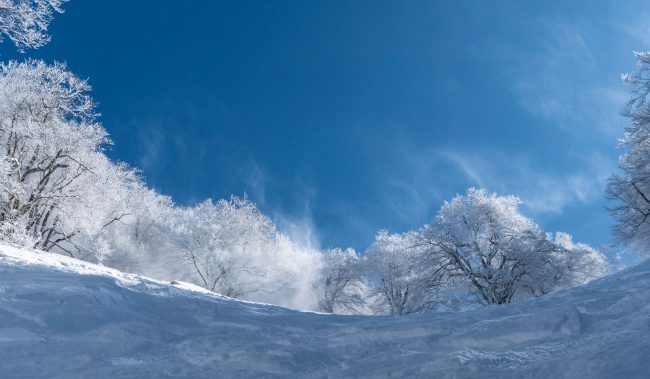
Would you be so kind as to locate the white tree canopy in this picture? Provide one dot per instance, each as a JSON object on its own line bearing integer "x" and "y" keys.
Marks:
{"x": 631, "y": 189}
{"x": 482, "y": 239}
{"x": 340, "y": 288}
{"x": 50, "y": 145}
{"x": 25, "y": 22}
{"x": 395, "y": 270}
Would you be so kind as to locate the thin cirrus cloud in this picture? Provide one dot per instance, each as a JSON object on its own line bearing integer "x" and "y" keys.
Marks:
{"x": 564, "y": 82}
{"x": 428, "y": 178}
{"x": 565, "y": 74}
{"x": 540, "y": 192}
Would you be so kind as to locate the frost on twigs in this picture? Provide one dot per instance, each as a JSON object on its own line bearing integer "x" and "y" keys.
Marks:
{"x": 25, "y": 22}
{"x": 630, "y": 190}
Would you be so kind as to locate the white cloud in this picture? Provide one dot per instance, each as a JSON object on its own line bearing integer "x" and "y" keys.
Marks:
{"x": 564, "y": 83}
{"x": 633, "y": 21}
{"x": 540, "y": 192}
{"x": 425, "y": 178}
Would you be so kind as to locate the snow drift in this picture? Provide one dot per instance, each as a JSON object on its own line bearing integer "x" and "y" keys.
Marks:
{"x": 63, "y": 318}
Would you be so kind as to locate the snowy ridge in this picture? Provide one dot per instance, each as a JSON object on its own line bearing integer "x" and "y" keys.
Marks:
{"x": 64, "y": 318}
{"x": 16, "y": 256}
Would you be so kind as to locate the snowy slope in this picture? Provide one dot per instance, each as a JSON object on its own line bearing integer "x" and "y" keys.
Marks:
{"x": 62, "y": 318}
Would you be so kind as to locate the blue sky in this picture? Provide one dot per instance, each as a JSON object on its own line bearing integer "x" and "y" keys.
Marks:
{"x": 340, "y": 118}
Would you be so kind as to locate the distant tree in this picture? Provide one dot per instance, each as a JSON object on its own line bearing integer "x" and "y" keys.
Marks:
{"x": 483, "y": 238}
{"x": 631, "y": 189}
{"x": 25, "y": 22}
{"x": 484, "y": 241}
{"x": 340, "y": 288}
{"x": 223, "y": 242}
{"x": 581, "y": 262}
{"x": 565, "y": 264}
{"x": 117, "y": 217}
{"x": 395, "y": 271}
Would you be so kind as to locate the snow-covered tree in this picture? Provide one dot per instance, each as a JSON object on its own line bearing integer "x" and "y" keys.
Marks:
{"x": 581, "y": 263}
{"x": 119, "y": 221}
{"x": 483, "y": 240}
{"x": 232, "y": 248}
{"x": 395, "y": 270}
{"x": 631, "y": 189}
{"x": 58, "y": 190}
{"x": 566, "y": 264}
{"x": 340, "y": 289}
{"x": 51, "y": 145}
{"x": 222, "y": 242}
{"x": 25, "y": 22}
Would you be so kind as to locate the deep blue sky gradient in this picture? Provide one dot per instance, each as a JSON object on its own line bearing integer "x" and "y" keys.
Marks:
{"x": 339, "y": 118}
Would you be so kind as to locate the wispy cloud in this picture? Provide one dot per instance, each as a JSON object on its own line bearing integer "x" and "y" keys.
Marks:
{"x": 564, "y": 82}
{"x": 541, "y": 192}
{"x": 632, "y": 20}
{"x": 410, "y": 190}
{"x": 152, "y": 149}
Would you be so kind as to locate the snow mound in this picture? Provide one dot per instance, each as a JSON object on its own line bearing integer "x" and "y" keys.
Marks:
{"x": 63, "y": 318}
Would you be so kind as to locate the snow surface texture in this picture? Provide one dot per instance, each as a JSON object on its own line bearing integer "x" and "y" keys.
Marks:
{"x": 63, "y": 318}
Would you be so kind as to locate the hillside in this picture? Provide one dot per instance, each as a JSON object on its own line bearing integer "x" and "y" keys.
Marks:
{"x": 63, "y": 318}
